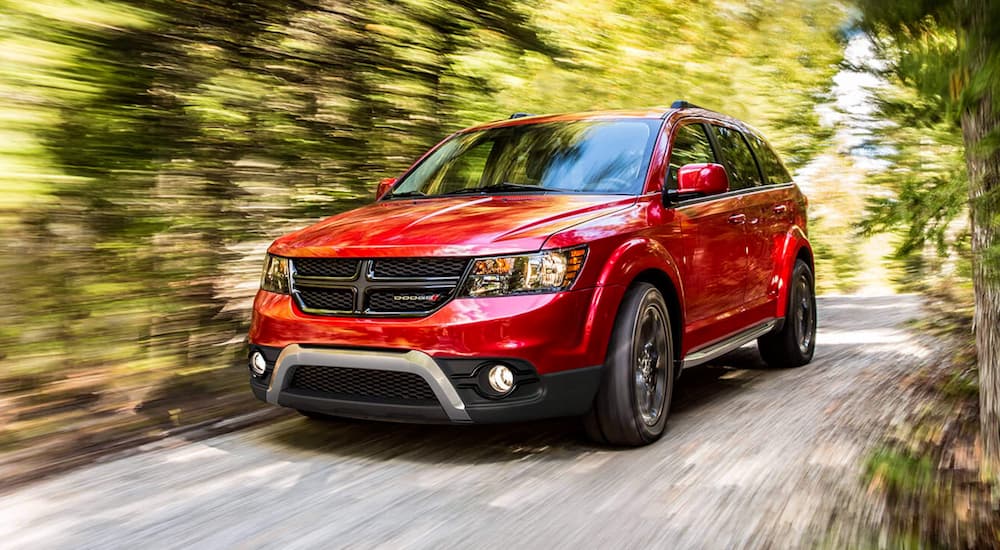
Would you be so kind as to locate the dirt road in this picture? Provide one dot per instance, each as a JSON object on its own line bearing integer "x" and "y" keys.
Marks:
{"x": 752, "y": 458}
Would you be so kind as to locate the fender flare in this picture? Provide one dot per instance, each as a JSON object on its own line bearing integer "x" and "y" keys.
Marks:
{"x": 635, "y": 256}
{"x": 630, "y": 259}
{"x": 794, "y": 243}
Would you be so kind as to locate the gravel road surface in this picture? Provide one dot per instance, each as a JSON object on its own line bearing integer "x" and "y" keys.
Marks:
{"x": 752, "y": 457}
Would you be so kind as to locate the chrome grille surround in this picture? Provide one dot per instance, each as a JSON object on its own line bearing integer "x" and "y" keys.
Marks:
{"x": 380, "y": 287}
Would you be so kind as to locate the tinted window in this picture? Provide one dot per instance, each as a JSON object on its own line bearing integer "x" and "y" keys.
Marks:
{"x": 581, "y": 157}
{"x": 739, "y": 160}
{"x": 774, "y": 171}
{"x": 691, "y": 146}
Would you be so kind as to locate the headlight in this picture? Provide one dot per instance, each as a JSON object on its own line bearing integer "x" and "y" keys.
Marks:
{"x": 275, "y": 275}
{"x": 550, "y": 271}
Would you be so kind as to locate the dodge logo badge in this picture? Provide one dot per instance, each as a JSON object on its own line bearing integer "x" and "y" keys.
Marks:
{"x": 416, "y": 297}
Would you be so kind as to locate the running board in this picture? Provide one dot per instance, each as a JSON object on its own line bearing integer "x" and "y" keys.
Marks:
{"x": 727, "y": 345}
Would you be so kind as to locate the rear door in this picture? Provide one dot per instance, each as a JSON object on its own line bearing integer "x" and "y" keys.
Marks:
{"x": 715, "y": 262}
{"x": 773, "y": 206}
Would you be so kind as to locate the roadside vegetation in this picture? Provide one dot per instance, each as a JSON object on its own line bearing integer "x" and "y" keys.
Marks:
{"x": 150, "y": 150}
{"x": 940, "y": 101}
{"x": 928, "y": 472}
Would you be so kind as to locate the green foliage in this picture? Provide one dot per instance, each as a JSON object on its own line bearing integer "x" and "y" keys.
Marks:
{"x": 836, "y": 255}
{"x": 928, "y": 472}
{"x": 961, "y": 385}
{"x": 926, "y": 175}
{"x": 929, "y": 189}
{"x": 149, "y": 150}
{"x": 898, "y": 471}
{"x": 943, "y": 60}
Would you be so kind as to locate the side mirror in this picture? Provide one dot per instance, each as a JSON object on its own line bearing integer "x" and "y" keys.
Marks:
{"x": 383, "y": 187}
{"x": 702, "y": 179}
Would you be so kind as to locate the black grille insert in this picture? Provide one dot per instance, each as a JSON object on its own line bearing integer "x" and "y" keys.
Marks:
{"x": 341, "y": 268}
{"x": 418, "y": 268}
{"x": 363, "y": 383}
{"x": 331, "y": 299}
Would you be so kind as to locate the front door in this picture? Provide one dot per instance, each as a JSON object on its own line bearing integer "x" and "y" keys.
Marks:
{"x": 714, "y": 263}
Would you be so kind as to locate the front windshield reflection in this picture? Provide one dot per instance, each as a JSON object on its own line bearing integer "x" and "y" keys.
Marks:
{"x": 604, "y": 157}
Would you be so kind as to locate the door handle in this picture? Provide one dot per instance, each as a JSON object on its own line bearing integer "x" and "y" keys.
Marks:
{"x": 738, "y": 219}
{"x": 780, "y": 209}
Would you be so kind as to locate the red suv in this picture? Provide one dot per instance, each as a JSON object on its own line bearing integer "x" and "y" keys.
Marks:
{"x": 543, "y": 266}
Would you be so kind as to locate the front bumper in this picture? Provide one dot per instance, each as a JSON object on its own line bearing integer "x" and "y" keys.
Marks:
{"x": 457, "y": 397}
{"x": 553, "y": 332}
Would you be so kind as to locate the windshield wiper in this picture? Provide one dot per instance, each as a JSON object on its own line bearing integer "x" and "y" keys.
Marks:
{"x": 405, "y": 194}
{"x": 498, "y": 187}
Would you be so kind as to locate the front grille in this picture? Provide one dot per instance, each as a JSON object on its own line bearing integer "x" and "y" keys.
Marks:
{"x": 418, "y": 268}
{"x": 381, "y": 286}
{"x": 363, "y": 383}
{"x": 327, "y": 299}
{"x": 404, "y": 300}
{"x": 341, "y": 268}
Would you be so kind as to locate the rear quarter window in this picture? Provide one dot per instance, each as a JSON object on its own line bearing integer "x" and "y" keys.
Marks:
{"x": 774, "y": 171}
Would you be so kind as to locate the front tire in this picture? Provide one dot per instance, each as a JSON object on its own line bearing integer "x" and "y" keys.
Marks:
{"x": 794, "y": 345}
{"x": 633, "y": 402}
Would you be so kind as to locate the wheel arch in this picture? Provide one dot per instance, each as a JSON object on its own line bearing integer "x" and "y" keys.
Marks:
{"x": 805, "y": 254}
{"x": 796, "y": 247}
{"x": 665, "y": 285}
{"x": 646, "y": 260}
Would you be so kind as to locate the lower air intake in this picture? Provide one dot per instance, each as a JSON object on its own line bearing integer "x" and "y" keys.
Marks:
{"x": 363, "y": 384}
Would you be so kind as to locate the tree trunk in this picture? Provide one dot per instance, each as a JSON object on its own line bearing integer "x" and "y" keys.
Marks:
{"x": 979, "y": 120}
{"x": 984, "y": 186}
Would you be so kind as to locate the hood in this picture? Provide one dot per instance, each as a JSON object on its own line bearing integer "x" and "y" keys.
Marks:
{"x": 447, "y": 226}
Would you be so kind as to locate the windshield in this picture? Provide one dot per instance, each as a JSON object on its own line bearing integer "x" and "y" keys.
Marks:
{"x": 608, "y": 157}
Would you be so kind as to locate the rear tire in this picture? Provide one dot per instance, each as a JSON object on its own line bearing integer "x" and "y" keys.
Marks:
{"x": 633, "y": 402}
{"x": 794, "y": 345}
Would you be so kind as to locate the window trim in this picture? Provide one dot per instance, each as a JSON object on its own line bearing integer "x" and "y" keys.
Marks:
{"x": 732, "y": 194}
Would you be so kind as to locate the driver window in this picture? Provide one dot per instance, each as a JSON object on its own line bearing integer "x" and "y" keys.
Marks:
{"x": 691, "y": 146}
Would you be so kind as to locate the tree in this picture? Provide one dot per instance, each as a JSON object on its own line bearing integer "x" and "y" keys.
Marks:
{"x": 971, "y": 92}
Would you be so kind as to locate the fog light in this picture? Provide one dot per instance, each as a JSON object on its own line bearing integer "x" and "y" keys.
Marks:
{"x": 258, "y": 364}
{"x": 501, "y": 379}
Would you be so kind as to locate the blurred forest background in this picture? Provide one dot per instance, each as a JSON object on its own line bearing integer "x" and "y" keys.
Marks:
{"x": 150, "y": 150}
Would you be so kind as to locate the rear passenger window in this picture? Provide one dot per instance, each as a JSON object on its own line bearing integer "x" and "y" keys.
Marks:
{"x": 770, "y": 164}
{"x": 691, "y": 146}
{"x": 742, "y": 168}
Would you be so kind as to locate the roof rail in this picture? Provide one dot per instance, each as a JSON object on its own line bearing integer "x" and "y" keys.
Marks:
{"x": 681, "y": 104}
{"x": 520, "y": 115}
